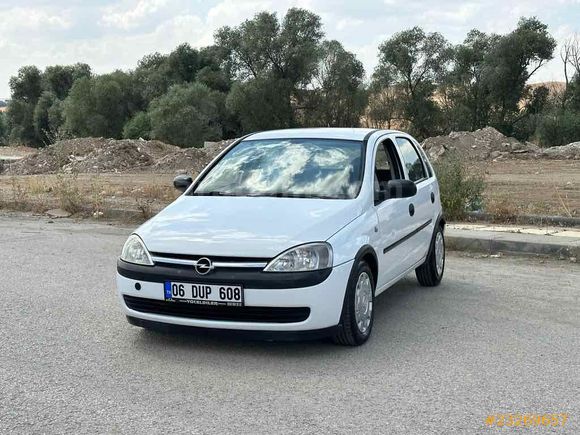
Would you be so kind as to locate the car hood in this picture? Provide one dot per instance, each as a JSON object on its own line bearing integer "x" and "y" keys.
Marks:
{"x": 244, "y": 226}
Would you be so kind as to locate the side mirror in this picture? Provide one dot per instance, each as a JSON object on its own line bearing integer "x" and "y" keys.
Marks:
{"x": 396, "y": 189}
{"x": 401, "y": 189}
{"x": 182, "y": 182}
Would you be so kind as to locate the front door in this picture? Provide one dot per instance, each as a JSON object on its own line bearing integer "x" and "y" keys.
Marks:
{"x": 393, "y": 218}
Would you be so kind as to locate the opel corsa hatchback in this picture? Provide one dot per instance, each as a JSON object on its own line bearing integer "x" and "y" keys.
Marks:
{"x": 289, "y": 233}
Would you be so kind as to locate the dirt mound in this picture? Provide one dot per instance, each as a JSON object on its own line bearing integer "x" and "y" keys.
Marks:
{"x": 89, "y": 155}
{"x": 564, "y": 152}
{"x": 191, "y": 160}
{"x": 484, "y": 144}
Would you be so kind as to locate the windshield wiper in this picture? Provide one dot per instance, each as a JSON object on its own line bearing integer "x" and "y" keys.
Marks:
{"x": 214, "y": 193}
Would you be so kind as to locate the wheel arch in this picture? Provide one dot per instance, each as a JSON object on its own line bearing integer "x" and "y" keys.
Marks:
{"x": 367, "y": 254}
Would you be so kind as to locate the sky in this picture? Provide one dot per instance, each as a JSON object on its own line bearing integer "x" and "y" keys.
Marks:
{"x": 111, "y": 35}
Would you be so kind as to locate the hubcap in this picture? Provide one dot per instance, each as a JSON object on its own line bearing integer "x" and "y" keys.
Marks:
{"x": 363, "y": 303}
{"x": 439, "y": 253}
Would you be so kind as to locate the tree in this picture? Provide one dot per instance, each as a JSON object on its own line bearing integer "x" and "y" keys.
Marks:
{"x": 152, "y": 77}
{"x": 100, "y": 106}
{"x": 27, "y": 85}
{"x": 339, "y": 97}
{"x": 58, "y": 79}
{"x": 285, "y": 53}
{"x": 186, "y": 116}
{"x": 138, "y": 127}
{"x": 19, "y": 118}
{"x": 417, "y": 61}
{"x": 262, "y": 104}
{"x": 511, "y": 63}
{"x": 465, "y": 87}
{"x": 570, "y": 55}
{"x": 25, "y": 88}
{"x": 3, "y": 129}
{"x": 41, "y": 120}
{"x": 183, "y": 64}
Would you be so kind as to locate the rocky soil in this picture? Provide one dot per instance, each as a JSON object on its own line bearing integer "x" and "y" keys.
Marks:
{"x": 90, "y": 155}
{"x": 490, "y": 144}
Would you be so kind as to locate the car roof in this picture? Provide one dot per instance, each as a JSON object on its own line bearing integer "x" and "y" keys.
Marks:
{"x": 317, "y": 133}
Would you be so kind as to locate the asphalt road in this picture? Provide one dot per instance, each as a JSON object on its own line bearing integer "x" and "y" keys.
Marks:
{"x": 498, "y": 336}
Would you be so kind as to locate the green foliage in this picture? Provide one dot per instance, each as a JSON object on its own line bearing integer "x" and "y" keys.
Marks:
{"x": 415, "y": 61}
{"x": 461, "y": 188}
{"x": 510, "y": 64}
{"x": 262, "y": 104}
{"x": 20, "y": 123}
{"x": 27, "y": 85}
{"x": 58, "y": 79}
{"x": 138, "y": 127}
{"x": 100, "y": 106}
{"x": 278, "y": 55}
{"x": 40, "y": 118}
{"x": 559, "y": 128}
{"x": 3, "y": 130}
{"x": 186, "y": 116}
{"x": 339, "y": 98}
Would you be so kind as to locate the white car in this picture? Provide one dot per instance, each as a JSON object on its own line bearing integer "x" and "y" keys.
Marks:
{"x": 289, "y": 234}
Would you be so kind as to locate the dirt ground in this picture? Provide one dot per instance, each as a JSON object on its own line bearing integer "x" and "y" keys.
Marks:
{"x": 549, "y": 187}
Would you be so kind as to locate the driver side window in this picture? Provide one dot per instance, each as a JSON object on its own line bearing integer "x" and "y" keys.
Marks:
{"x": 387, "y": 168}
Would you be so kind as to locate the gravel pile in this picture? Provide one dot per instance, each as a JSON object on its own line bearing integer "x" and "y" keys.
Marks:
{"x": 486, "y": 143}
{"x": 490, "y": 144}
{"x": 90, "y": 155}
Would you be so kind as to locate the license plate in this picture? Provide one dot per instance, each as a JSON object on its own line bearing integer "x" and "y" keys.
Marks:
{"x": 204, "y": 294}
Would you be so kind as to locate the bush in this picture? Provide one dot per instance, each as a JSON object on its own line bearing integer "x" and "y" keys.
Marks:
{"x": 138, "y": 127}
{"x": 461, "y": 188}
{"x": 559, "y": 129}
{"x": 187, "y": 115}
{"x": 3, "y": 130}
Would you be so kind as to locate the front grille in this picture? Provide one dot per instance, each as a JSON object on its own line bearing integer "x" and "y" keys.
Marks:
{"x": 218, "y": 312}
{"x": 179, "y": 260}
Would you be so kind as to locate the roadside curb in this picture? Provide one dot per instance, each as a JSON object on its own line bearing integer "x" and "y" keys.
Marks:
{"x": 527, "y": 219}
{"x": 489, "y": 242}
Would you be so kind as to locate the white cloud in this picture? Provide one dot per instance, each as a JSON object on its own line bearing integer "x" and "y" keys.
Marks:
{"x": 346, "y": 23}
{"x": 129, "y": 18}
{"x": 20, "y": 19}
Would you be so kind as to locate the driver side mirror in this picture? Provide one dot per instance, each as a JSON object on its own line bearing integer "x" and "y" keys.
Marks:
{"x": 396, "y": 189}
{"x": 182, "y": 182}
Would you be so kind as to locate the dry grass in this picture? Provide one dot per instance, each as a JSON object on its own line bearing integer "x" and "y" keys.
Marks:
{"x": 85, "y": 195}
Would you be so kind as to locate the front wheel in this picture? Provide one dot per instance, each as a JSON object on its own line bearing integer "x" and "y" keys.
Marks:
{"x": 357, "y": 312}
{"x": 429, "y": 274}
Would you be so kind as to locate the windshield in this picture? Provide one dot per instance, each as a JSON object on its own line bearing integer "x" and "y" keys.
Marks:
{"x": 304, "y": 168}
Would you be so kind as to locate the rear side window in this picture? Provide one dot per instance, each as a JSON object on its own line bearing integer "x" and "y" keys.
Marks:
{"x": 411, "y": 159}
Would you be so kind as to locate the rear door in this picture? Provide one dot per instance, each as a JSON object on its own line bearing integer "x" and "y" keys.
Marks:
{"x": 421, "y": 207}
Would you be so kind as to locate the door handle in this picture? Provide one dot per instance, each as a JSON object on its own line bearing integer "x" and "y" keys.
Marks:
{"x": 411, "y": 209}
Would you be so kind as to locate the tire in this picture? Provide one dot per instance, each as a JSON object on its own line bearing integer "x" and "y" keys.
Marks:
{"x": 428, "y": 274}
{"x": 350, "y": 333}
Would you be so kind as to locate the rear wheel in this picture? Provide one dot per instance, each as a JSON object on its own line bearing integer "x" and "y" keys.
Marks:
{"x": 357, "y": 311}
{"x": 429, "y": 274}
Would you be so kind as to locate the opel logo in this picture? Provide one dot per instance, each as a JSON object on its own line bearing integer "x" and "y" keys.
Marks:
{"x": 203, "y": 266}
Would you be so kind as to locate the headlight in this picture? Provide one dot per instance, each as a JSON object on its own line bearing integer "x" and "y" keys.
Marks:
{"x": 303, "y": 258}
{"x": 134, "y": 251}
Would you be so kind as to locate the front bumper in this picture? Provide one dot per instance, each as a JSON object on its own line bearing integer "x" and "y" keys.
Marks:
{"x": 324, "y": 299}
